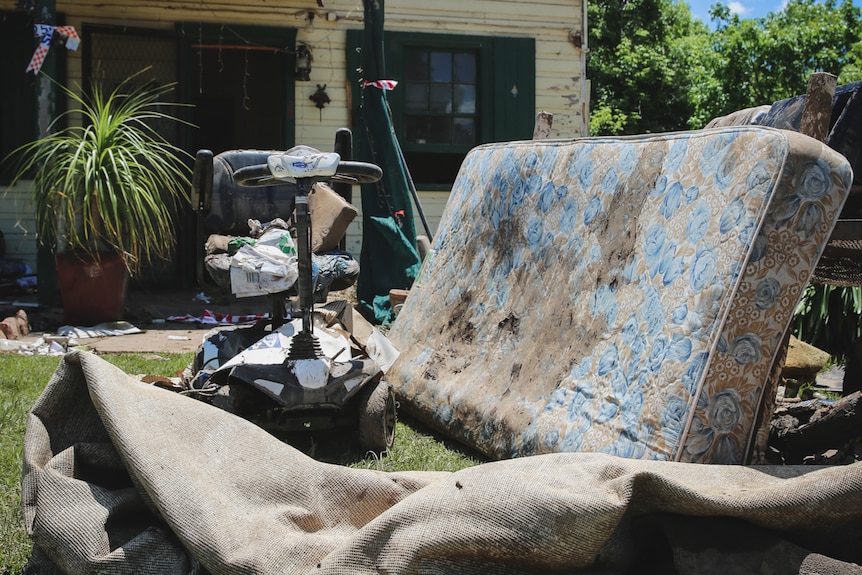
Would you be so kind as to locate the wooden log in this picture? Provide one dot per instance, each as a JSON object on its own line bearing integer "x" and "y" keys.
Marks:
{"x": 818, "y": 105}
{"x": 825, "y": 429}
{"x": 542, "y": 130}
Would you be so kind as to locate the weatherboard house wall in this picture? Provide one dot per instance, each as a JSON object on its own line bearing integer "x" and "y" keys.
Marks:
{"x": 557, "y": 26}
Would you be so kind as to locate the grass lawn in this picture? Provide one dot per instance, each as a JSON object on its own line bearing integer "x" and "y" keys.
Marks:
{"x": 22, "y": 379}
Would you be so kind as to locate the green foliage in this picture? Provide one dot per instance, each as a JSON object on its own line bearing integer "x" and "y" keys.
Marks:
{"x": 852, "y": 70}
{"x": 112, "y": 181}
{"x": 763, "y": 60}
{"x": 809, "y": 390}
{"x": 640, "y": 65}
{"x": 830, "y": 318}
{"x": 607, "y": 121}
{"x": 653, "y": 68}
{"x": 705, "y": 93}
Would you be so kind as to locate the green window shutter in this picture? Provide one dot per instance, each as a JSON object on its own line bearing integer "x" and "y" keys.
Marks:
{"x": 514, "y": 66}
{"x": 18, "y": 114}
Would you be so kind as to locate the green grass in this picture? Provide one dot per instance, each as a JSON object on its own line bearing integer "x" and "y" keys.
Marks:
{"x": 417, "y": 448}
{"x": 810, "y": 390}
{"x": 22, "y": 379}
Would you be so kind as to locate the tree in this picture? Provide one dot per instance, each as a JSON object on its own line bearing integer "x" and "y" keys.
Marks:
{"x": 641, "y": 56}
{"x": 762, "y": 60}
{"x": 655, "y": 68}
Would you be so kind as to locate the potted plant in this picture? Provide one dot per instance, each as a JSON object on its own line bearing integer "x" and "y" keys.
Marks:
{"x": 105, "y": 191}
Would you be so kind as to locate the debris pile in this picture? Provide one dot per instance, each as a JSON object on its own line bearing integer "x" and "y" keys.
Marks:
{"x": 812, "y": 423}
{"x": 818, "y": 431}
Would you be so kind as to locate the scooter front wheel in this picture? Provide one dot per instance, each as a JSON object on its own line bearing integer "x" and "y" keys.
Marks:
{"x": 377, "y": 417}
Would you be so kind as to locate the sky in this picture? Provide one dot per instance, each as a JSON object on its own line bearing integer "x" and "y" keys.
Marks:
{"x": 745, "y": 8}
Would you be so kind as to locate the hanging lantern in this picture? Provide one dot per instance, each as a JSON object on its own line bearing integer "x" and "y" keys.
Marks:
{"x": 303, "y": 63}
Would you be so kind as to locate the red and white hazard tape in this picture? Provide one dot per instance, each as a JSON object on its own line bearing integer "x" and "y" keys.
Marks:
{"x": 382, "y": 84}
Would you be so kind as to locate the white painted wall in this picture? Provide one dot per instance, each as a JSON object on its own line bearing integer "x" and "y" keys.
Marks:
{"x": 17, "y": 223}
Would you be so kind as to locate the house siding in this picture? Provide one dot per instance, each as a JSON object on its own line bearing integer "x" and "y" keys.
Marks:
{"x": 18, "y": 225}
{"x": 561, "y": 88}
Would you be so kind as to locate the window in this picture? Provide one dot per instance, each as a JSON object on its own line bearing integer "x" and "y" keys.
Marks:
{"x": 453, "y": 93}
{"x": 440, "y": 97}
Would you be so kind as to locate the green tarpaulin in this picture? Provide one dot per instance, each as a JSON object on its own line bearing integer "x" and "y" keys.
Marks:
{"x": 389, "y": 257}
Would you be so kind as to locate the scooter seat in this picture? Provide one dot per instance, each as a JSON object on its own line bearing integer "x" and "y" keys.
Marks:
{"x": 291, "y": 165}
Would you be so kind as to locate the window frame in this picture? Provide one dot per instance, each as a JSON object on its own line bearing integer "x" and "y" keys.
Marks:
{"x": 396, "y": 49}
{"x": 503, "y": 61}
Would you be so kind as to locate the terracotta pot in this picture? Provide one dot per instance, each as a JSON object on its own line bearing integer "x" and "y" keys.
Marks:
{"x": 93, "y": 289}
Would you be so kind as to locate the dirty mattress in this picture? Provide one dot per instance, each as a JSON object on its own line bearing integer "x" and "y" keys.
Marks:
{"x": 617, "y": 295}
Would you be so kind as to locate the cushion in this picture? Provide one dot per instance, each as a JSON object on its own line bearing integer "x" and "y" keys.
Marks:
{"x": 330, "y": 217}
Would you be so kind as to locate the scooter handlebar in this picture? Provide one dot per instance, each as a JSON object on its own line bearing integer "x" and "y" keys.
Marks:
{"x": 348, "y": 171}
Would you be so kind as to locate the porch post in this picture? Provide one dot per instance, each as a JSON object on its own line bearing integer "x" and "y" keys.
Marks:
{"x": 46, "y": 110}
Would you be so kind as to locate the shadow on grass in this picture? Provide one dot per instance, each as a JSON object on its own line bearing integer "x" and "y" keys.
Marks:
{"x": 416, "y": 448}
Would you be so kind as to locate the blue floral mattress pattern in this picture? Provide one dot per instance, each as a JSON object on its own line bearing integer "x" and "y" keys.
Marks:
{"x": 616, "y": 295}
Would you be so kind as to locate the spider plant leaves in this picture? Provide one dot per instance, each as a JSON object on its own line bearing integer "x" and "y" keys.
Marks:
{"x": 830, "y": 318}
{"x": 110, "y": 180}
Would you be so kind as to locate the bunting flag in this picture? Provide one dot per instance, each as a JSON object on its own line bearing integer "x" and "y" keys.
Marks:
{"x": 46, "y": 33}
{"x": 382, "y": 84}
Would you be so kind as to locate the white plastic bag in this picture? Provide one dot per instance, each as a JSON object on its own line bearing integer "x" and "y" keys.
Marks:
{"x": 261, "y": 269}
